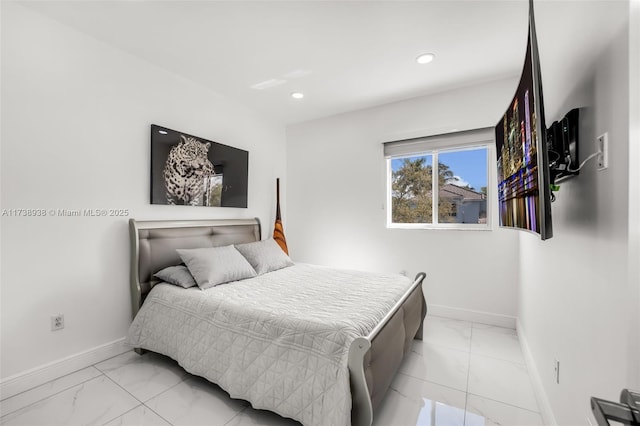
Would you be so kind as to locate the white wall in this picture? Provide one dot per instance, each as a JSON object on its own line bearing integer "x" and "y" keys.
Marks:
{"x": 336, "y": 198}
{"x": 575, "y": 298}
{"x": 75, "y": 134}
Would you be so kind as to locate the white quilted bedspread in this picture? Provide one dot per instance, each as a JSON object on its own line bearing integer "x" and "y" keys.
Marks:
{"x": 280, "y": 340}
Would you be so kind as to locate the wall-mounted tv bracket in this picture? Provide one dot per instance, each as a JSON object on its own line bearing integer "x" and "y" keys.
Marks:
{"x": 626, "y": 412}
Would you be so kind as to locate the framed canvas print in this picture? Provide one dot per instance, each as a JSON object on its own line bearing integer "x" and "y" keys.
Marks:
{"x": 191, "y": 171}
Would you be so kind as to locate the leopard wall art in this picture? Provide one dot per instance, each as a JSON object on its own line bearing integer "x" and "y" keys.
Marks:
{"x": 187, "y": 172}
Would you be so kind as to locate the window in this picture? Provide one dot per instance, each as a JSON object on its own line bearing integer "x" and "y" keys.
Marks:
{"x": 439, "y": 182}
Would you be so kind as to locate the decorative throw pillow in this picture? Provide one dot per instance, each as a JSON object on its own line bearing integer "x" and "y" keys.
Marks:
{"x": 216, "y": 265}
{"x": 176, "y": 275}
{"x": 265, "y": 256}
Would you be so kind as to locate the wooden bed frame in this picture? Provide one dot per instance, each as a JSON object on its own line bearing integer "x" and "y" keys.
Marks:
{"x": 373, "y": 359}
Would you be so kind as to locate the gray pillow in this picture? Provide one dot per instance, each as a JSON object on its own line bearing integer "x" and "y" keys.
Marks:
{"x": 176, "y": 275}
{"x": 265, "y": 256}
{"x": 216, "y": 265}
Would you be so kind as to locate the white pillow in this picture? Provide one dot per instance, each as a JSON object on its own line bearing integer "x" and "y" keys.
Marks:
{"x": 176, "y": 275}
{"x": 216, "y": 265}
{"x": 265, "y": 256}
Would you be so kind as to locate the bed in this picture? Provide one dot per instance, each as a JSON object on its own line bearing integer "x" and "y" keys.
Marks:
{"x": 314, "y": 344}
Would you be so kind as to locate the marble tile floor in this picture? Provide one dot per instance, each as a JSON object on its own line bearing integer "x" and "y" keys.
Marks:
{"x": 462, "y": 373}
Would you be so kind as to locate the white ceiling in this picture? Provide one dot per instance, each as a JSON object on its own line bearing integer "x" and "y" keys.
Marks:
{"x": 343, "y": 55}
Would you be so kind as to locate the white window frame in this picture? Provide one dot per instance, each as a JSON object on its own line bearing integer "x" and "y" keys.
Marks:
{"x": 433, "y": 145}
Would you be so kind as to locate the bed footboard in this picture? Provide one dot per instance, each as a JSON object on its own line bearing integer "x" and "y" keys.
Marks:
{"x": 375, "y": 359}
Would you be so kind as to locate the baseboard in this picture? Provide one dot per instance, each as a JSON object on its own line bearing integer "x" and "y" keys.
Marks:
{"x": 21, "y": 382}
{"x": 472, "y": 316}
{"x": 541, "y": 396}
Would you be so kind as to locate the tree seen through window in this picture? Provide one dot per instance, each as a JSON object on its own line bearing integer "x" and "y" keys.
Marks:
{"x": 458, "y": 199}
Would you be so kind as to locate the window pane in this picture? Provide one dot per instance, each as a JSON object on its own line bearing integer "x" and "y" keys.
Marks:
{"x": 462, "y": 180}
{"x": 411, "y": 189}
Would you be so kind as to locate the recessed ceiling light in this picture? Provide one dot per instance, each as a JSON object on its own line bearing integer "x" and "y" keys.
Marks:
{"x": 425, "y": 58}
{"x": 297, "y": 95}
{"x": 162, "y": 132}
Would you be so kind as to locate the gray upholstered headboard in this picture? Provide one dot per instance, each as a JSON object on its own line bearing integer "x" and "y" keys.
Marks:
{"x": 154, "y": 244}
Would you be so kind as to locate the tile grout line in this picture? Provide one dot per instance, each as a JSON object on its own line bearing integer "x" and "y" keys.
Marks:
{"x": 117, "y": 417}
{"x": 237, "y": 414}
{"x": 157, "y": 414}
{"x": 505, "y": 403}
{"x": 466, "y": 394}
{"x": 118, "y": 385}
{"x": 142, "y": 403}
{"x": 521, "y": 364}
{"x": 130, "y": 394}
{"x": 52, "y": 380}
{"x": 466, "y": 351}
{"x": 186, "y": 378}
{"x": 429, "y": 381}
{"x": 492, "y": 399}
{"x": 4, "y": 415}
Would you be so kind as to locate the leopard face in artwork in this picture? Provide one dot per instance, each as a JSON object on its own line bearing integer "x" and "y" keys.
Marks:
{"x": 186, "y": 172}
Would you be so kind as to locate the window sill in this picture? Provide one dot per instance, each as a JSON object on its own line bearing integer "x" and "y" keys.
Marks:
{"x": 441, "y": 227}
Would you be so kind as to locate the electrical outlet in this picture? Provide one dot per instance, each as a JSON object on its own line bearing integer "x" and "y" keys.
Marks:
{"x": 602, "y": 145}
{"x": 556, "y": 368}
{"x": 57, "y": 322}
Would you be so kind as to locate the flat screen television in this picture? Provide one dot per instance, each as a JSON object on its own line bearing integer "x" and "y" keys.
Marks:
{"x": 524, "y": 195}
